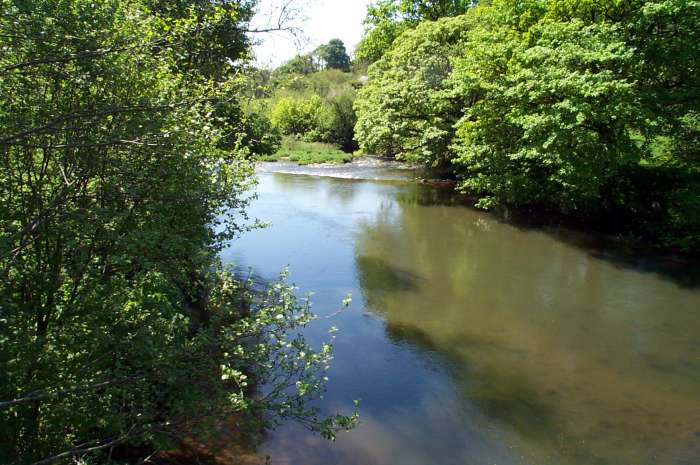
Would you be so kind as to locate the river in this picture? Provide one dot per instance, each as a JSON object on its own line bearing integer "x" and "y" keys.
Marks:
{"x": 475, "y": 341}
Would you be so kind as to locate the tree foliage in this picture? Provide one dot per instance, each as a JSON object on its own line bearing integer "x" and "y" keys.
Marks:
{"x": 572, "y": 106}
{"x": 316, "y": 107}
{"x": 334, "y": 55}
{"x": 123, "y": 172}
{"x": 260, "y": 135}
{"x": 315, "y": 119}
{"x": 300, "y": 65}
{"x": 553, "y": 129}
{"x": 386, "y": 20}
{"x": 299, "y": 116}
{"x": 407, "y": 109}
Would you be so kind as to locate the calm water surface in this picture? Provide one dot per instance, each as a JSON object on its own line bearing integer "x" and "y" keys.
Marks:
{"x": 471, "y": 341}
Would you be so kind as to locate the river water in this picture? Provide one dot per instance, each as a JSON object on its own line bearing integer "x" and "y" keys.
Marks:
{"x": 472, "y": 341}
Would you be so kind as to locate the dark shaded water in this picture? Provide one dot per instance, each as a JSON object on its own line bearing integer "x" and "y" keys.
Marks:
{"x": 471, "y": 341}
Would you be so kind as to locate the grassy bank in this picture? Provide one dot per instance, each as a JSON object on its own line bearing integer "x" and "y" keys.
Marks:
{"x": 307, "y": 153}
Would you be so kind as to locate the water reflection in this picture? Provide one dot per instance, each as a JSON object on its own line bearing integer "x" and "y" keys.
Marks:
{"x": 579, "y": 358}
{"x": 488, "y": 342}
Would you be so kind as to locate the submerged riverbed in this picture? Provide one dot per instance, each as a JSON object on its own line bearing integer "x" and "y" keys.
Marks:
{"x": 474, "y": 341}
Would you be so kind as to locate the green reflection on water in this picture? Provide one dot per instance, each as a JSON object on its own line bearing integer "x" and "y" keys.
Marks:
{"x": 578, "y": 359}
{"x": 494, "y": 343}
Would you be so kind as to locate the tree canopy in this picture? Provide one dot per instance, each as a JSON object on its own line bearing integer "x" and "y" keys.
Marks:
{"x": 386, "y": 20}
{"x": 570, "y": 106}
{"x": 407, "y": 109}
{"x": 123, "y": 171}
{"x": 334, "y": 55}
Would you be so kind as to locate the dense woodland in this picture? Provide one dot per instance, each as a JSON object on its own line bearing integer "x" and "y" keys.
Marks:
{"x": 127, "y": 149}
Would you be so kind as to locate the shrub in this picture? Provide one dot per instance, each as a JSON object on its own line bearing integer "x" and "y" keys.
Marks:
{"x": 298, "y": 116}
{"x": 260, "y": 135}
{"x": 341, "y": 122}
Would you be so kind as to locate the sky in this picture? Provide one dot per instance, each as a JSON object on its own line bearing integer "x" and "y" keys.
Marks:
{"x": 320, "y": 21}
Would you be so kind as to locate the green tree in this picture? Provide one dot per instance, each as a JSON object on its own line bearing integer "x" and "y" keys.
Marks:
{"x": 260, "y": 136}
{"x": 123, "y": 173}
{"x": 296, "y": 116}
{"x": 317, "y": 108}
{"x": 408, "y": 109}
{"x": 382, "y": 27}
{"x": 341, "y": 122}
{"x": 386, "y": 20}
{"x": 589, "y": 108}
{"x": 553, "y": 127}
{"x": 335, "y": 55}
{"x": 432, "y": 10}
{"x": 299, "y": 65}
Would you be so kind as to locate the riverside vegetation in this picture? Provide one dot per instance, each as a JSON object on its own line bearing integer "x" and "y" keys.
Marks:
{"x": 307, "y": 106}
{"x": 582, "y": 108}
{"x": 589, "y": 108}
{"x": 123, "y": 170}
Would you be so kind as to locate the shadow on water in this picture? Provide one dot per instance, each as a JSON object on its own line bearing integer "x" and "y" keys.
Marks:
{"x": 509, "y": 399}
{"x": 427, "y": 196}
{"x": 504, "y": 397}
{"x": 412, "y": 335}
{"x": 682, "y": 269}
{"x": 377, "y": 274}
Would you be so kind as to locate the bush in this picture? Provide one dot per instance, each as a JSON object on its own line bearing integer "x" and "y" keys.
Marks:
{"x": 341, "y": 122}
{"x": 260, "y": 135}
{"x": 296, "y": 116}
{"x": 317, "y": 120}
{"x": 307, "y": 153}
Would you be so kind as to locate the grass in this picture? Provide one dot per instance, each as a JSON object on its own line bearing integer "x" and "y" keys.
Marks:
{"x": 308, "y": 153}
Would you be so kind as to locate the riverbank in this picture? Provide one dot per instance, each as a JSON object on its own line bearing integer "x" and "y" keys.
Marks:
{"x": 608, "y": 231}
{"x": 308, "y": 153}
